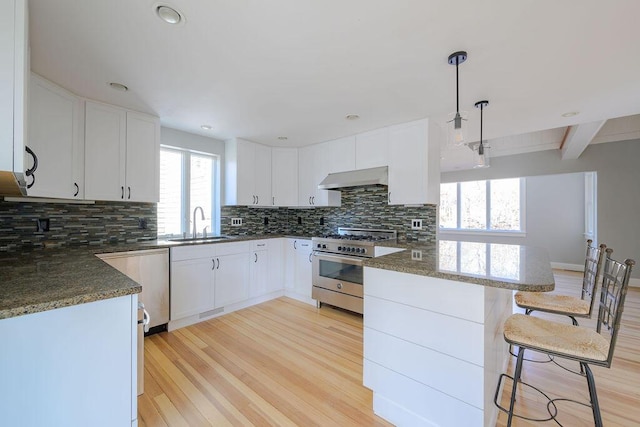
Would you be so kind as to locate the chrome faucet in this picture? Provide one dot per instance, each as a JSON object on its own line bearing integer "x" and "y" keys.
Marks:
{"x": 195, "y": 229}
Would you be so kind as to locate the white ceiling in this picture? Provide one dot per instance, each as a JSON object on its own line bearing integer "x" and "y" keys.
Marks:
{"x": 262, "y": 69}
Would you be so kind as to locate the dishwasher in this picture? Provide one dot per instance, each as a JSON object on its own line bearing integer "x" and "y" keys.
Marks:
{"x": 150, "y": 269}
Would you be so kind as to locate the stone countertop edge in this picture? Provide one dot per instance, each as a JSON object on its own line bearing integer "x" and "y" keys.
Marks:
{"x": 42, "y": 279}
{"x": 538, "y": 268}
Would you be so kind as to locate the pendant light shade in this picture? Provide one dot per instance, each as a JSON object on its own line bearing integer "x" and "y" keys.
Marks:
{"x": 456, "y": 126}
{"x": 482, "y": 161}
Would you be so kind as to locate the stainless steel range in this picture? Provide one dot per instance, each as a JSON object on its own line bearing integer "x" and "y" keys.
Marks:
{"x": 337, "y": 265}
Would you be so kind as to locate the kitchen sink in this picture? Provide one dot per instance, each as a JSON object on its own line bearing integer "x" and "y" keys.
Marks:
{"x": 199, "y": 239}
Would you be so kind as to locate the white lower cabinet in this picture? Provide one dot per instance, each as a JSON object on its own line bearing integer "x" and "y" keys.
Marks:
{"x": 209, "y": 280}
{"x": 298, "y": 257}
{"x": 191, "y": 287}
{"x": 72, "y": 366}
{"x": 231, "y": 279}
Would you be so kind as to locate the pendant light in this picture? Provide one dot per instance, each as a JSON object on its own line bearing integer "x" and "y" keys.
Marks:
{"x": 483, "y": 150}
{"x": 457, "y": 131}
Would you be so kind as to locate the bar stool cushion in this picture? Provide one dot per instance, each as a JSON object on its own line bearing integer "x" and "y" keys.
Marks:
{"x": 553, "y": 303}
{"x": 559, "y": 338}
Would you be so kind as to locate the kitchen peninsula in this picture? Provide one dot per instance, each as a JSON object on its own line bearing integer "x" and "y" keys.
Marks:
{"x": 433, "y": 316}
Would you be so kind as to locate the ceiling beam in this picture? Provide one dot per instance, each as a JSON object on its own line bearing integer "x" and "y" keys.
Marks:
{"x": 578, "y": 137}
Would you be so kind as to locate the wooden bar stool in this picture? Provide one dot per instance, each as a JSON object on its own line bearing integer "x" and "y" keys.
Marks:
{"x": 584, "y": 345}
{"x": 568, "y": 305}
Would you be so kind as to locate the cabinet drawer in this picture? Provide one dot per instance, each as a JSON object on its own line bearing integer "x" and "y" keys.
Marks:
{"x": 193, "y": 252}
{"x": 259, "y": 245}
{"x": 231, "y": 248}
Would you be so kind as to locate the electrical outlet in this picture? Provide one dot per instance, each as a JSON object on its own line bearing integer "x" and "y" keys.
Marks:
{"x": 321, "y": 220}
{"x": 266, "y": 220}
{"x": 236, "y": 222}
{"x": 416, "y": 255}
{"x": 42, "y": 225}
{"x": 299, "y": 220}
{"x": 416, "y": 224}
{"x": 142, "y": 223}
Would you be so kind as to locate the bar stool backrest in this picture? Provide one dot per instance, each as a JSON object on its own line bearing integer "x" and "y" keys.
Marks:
{"x": 615, "y": 281}
{"x": 592, "y": 269}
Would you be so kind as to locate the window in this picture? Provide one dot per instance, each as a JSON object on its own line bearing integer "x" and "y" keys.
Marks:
{"x": 480, "y": 259}
{"x": 488, "y": 206}
{"x": 187, "y": 180}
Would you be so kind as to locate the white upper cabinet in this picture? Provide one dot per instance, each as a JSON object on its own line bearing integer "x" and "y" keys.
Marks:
{"x": 143, "y": 158}
{"x": 55, "y": 135}
{"x": 313, "y": 166}
{"x": 372, "y": 149}
{"x": 340, "y": 155}
{"x": 122, "y": 150}
{"x": 284, "y": 176}
{"x": 414, "y": 172}
{"x": 14, "y": 77}
{"x": 247, "y": 173}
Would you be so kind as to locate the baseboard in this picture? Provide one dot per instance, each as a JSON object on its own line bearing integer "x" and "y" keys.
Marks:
{"x": 565, "y": 266}
{"x": 633, "y": 282}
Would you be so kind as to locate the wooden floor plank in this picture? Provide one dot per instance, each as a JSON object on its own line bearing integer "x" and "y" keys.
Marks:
{"x": 286, "y": 363}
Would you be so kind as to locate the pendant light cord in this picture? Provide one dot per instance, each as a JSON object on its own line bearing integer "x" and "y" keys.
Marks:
{"x": 457, "y": 90}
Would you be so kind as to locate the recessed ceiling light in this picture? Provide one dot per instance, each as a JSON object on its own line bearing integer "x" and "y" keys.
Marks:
{"x": 168, "y": 14}
{"x": 352, "y": 117}
{"x": 571, "y": 114}
{"x": 206, "y": 127}
{"x": 118, "y": 86}
{"x": 282, "y": 138}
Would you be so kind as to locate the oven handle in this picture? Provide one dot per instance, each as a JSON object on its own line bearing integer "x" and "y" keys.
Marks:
{"x": 341, "y": 258}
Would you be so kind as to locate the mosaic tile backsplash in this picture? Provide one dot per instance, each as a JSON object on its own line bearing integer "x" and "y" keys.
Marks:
{"x": 75, "y": 224}
{"x": 364, "y": 207}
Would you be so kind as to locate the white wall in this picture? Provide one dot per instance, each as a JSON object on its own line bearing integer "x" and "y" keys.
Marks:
{"x": 617, "y": 165}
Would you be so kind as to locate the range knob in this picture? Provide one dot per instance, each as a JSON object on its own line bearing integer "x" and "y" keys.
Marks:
{"x": 358, "y": 250}
{"x": 340, "y": 248}
{"x": 318, "y": 245}
{"x": 351, "y": 249}
{"x": 364, "y": 250}
{"x": 324, "y": 246}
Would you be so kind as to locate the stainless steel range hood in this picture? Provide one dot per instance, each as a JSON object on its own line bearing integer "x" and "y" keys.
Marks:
{"x": 12, "y": 184}
{"x": 355, "y": 178}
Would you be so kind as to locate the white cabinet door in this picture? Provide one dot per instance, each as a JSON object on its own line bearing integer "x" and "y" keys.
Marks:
{"x": 302, "y": 281}
{"x": 105, "y": 151}
{"x": 247, "y": 173}
{"x": 262, "y": 182}
{"x": 408, "y": 163}
{"x": 259, "y": 273}
{"x": 289, "y": 253}
{"x": 54, "y": 135}
{"x": 142, "y": 158}
{"x": 306, "y": 176}
{"x": 192, "y": 283}
{"x": 231, "y": 279}
{"x": 284, "y": 176}
{"x": 14, "y": 78}
{"x": 341, "y": 155}
{"x": 276, "y": 268}
{"x": 372, "y": 149}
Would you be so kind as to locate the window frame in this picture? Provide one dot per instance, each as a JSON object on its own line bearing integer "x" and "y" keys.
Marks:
{"x": 487, "y": 231}
{"x": 185, "y": 207}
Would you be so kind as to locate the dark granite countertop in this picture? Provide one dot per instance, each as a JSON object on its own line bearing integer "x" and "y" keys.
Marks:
{"x": 515, "y": 267}
{"x": 41, "y": 279}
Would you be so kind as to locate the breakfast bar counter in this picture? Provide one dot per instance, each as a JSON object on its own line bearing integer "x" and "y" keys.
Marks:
{"x": 433, "y": 317}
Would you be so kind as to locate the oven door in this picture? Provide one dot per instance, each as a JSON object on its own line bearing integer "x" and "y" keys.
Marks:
{"x": 338, "y": 273}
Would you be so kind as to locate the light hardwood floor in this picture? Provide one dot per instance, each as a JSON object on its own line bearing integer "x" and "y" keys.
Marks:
{"x": 284, "y": 363}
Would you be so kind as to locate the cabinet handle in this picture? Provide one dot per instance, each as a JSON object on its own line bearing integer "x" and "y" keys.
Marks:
{"x": 129, "y": 190}
{"x": 218, "y": 266}
{"x": 256, "y": 255}
{"x": 213, "y": 264}
{"x": 254, "y": 199}
{"x": 310, "y": 256}
{"x": 389, "y": 199}
{"x": 309, "y": 199}
{"x": 122, "y": 192}
{"x": 313, "y": 200}
{"x": 77, "y": 189}
{"x": 260, "y": 245}
{"x": 294, "y": 244}
{"x": 273, "y": 201}
{"x": 257, "y": 200}
{"x": 30, "y": 171}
